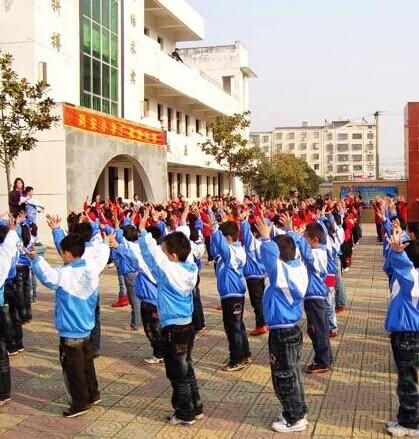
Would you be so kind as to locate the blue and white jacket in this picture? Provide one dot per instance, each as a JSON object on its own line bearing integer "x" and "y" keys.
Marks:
{"x": 229, "y": 263}
{"x": 403, "y": 311}
{"x": 288, "y": 282}
{"x": 96, "y": 251}
{"x": 253, "y": 267}
{"x": 129, "y": 255}
{"x": 76, "y": 294}
{"x": 8, "y": 251}
{"x": 175, "y": 282}
{"x": 315, "y": 259}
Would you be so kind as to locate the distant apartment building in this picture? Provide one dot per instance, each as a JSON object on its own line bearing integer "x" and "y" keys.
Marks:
{"x": 340, "y": 149}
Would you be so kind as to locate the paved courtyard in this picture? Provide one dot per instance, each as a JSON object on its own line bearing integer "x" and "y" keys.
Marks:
{"x": 354, "y": 400}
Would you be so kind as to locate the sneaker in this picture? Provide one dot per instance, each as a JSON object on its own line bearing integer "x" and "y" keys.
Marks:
{"x": 173, "y": 420}
{"x": 96, "y": 401}
{"x": 339, "y": 309}
{"x": 199, "y": 417}
{"x": 316, "y": 368}
{"x": 72, "y": 413}
{"x": 397, "y": 430}
{"x": 4, "y": 402}
{"x": 20, "y": 348}
{"x": 259, "y": 331}
{"x": 13, "y": 352}
{"x": 121, "y": 302}
{"x": 154, "y": 360}
{"x": 333, "y": 334}
{"x": 282, "y": 426}
{"x": 234, "y": 367}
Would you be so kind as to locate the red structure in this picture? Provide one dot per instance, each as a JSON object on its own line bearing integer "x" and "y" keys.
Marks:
{"x": 411, "y": 151}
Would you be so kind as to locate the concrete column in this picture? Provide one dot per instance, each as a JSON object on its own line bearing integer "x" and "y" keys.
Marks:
{"x": 106, "y": 182}
{"x": 174, "y": 185}
{"x": 183, "y": 184}
{"x": 210, "y": 186}
{"x": 131, "y": 184}
{"x": 121, "y": 182}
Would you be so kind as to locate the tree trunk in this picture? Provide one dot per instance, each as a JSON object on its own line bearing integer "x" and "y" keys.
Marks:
{"x": 9, "y": 183}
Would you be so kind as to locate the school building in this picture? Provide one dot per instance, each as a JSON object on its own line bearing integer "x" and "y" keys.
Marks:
{"x": 133, "y": 112}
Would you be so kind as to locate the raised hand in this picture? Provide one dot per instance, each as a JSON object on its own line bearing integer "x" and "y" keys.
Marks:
{"x": 264, "y": 229}
{"x": 286, "y": 220}
{"x": 144, "y": 219}
{"x": 53, "y": 221}
{"x": 395, "y": 242}
{"x": 111, "y": 240}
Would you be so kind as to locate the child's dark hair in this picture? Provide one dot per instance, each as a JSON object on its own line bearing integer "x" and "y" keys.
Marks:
{"x": 84, "y": 230}
{"x": 178, "y": 244}
{"x": 413, "y": 227}
{"x": 74, "y": 244}
{"x": 72, "y": 221}
{"x": 4, "y": 230}
{"x": 34, "y": 230}
{"x": 230, "y": 228}
{"x": 25, "y": 235}
{"x": 412, "y": 251}
{"x": 286, "y": 246}
{"x": 130, "y": 233}
{"x": 315, "y": 230}
{"x": 28, "y": 189}
{"x": 155, "y": 233}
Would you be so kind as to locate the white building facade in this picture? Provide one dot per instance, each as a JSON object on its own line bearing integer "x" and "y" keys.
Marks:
{"x": 136, "y": 115}
{"x": 341, "y": 149}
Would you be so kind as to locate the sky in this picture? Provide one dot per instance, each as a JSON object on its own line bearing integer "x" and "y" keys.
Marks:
{"x": 325, "y": 59}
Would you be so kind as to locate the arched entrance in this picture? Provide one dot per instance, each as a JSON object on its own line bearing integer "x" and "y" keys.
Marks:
{"x": 122, "y": 177}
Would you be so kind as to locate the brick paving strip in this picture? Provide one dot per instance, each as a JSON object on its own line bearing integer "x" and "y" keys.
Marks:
{"x": 352, "y": 401}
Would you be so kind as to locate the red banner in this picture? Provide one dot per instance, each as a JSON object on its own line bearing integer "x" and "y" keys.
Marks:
{"x": 100, "y": 123}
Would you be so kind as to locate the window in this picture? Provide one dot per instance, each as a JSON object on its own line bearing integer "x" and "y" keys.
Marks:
{"x": 291, "y": 136}
{"x": 370, "y": 135}
{"x": 303, "y": 156}
{"x": 329, "y": 158}
{"x": 278, "y": 146}
{"x": 197, "y": 126}
{"x": 178, "y": 121}
{"x": 315, "y": 157}
{"x": 160, "y": 40}
{"x": 302, "y": 146}
{"x": 343, "y": 168}
{"x": 329, "y": 137}
{"x": 146, "y": 107}
{"x": 179, "y": 184}
{"x": 315, "y": 146}
{"x": 370, "y": 157}
{"x": 278, "y": 136}
{"x": 316, "y": 135}
{"x": 357, "y": 168}
{"x": 266, "y": 149}
{"x": 99, "y": 66}
{"x": 357, "y": 147}
{"x": 198, "y": 186}
{"x": 291, "y": 146}
{"x": 227, "y": 84}
{"x": 329, "y": 147}
{"x": 356, "y": 136}
{"x": 160, "y": 112}
{"x": 357, "y": 158}
{"x": 188, "y": 183}
{"x": 187, "y": 124}
{"x": 343, "y": 157}
{"x": 265, "y": 139}
{"x": 316, "y": 167}
{"x": 169, "y": 119}
{"x": 343, "y": 147}
{"x": 342, "y": 136}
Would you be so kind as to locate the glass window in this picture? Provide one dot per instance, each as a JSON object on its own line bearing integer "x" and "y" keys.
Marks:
{"x": 342, "y": 136}
{"x": 316, "y": 167}
{"x": 265, "y": 139}
{"x": 357, "y": 158}
{"x": 370, "y": 135}
{"x": 316, "y": 135}
{"x": 357, "y": 136}
{"x": 291, "y": 136}
{"x": 357, "y": 147}
{"x": 278, "y": 136}
{"x": 343, "y": 147}
{"x": 99, "y": 67}
{"x": 343, "y": 157}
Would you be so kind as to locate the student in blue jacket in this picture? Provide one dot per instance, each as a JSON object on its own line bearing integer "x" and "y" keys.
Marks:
{"x": 230, "y": 258}
{"x": 402, "y": 322}
{"x": 76, "y": 294}
{"x": 176, "y": 278}
{"x": 282, "y": 307}
{"x": 8, "y": 247}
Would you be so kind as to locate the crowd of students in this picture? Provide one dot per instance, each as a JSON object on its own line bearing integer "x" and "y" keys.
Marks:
{"x": 288, "y": 254}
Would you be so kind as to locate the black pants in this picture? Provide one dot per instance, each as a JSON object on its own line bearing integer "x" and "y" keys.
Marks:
{"x": 235, "y": 329}
{"x": 5, "y": 376}
{"x": 256, "y": 287}
{"x": 379, "y": 234}
{"x": 95, "y": 334}
{"x": 14, "y": 333}
{"x": 24, "y": 288}
{"x": 198, "y": 318}
{"x": 285, "y": 346}
{"x": 76, "y": 357}
{"x": 207, "y": 241}
{"x": 152, "y": 329}
{"x": 346, "y": 256}
{"x": 405, "y": 346}
{"x": 178, "y": 344}
{"x": 318, "y": 331}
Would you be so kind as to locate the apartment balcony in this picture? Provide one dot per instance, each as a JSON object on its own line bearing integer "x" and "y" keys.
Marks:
{"x": 186, "y": 151}
{"x": 188, "y": 87}
{"x": 176, "y": 16}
